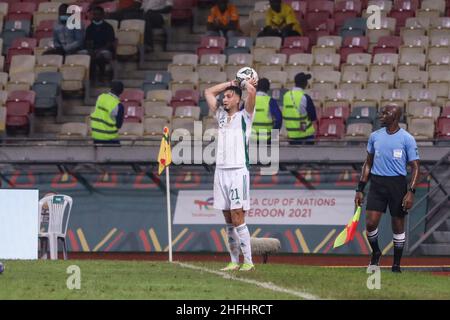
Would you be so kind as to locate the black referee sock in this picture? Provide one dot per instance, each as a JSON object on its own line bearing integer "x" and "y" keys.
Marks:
{"x": 372, "y": 236}
{"x": 399, "y": 242}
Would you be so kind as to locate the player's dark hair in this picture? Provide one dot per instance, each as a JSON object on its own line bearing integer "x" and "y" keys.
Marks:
{"x": 235, "y": 89}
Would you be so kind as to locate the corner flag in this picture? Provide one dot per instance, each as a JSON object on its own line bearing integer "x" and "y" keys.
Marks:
{"x": 349, "y": 232}
{"x": 165, "y": 154}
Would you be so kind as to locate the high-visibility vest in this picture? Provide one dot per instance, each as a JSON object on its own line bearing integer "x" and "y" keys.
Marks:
{"x": 262, "y": 122}
{"x": 298, "y": 125}
{"x": 103, "y": 124}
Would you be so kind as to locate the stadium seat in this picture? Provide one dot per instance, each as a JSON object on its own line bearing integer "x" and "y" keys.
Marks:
{"x": 131, "y": 130}
{"x": 366, "y": 98}
{"x": 339, "y": 98}
{"x": 47, "y": 88}
{"x": 345, "y": 10}
{"x": 421, "y": 128}
{"x": 353, "y": 44}
{"x": 20, "y": 105}
{"x": 48, "y": 63}
{"x": 130, "y": 37}
{"x": 158, "y": 98}
{"x": 185, "y": 98}
{"x": 44, "y": 29}
{"x": 133, "y": 112}
{"x": 358, "y": 131}
{"x": 292, "y": 45}
{"x": 387, "y": 44}
{"x": 184, "y": 80}
{"x": 2, "y": 120}
{"x": 183, "y": 62}
{"x": 153, "y": 127}
{"x": 275, "y": 62}
{"x": 187, "y": 112}
{"x": 156, "y": 80}
{"x": 439, "y": 82}
{"x": 75, "y": 72}
{"x": 277, "y": 79}
{"x": 336, "y": 112}
{"x": 21, "y": 46}
{"x": 211, "y": 63}
{"x": 208, "y": 80}
{"x": 182, "y": 10}
{"x": 132, "y": 96}
{"x": 388, "y": 26}
{"x": 319, "y": 10}
{"x": 363, "y": 115}
{"x": 239, "y": 45}
{"x": 418, "y": 111}
{"x": 211, "y": 45}
{"x": 398, "y": 97}
{"x": 443, "y": 128}
{"x": 21, "y": 11}
{"x": 353, "y": 27}
{"x": 164, "y": 112}
{"x": 22, "y": 63}
{"x": 268, "y": 42}
{"x": 331, "y": 129}
{"x": 333, "y": 60}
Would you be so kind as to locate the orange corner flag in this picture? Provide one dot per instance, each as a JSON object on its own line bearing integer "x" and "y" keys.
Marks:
{"x": 165, "y": 154}
{"x": 349, "y": 232}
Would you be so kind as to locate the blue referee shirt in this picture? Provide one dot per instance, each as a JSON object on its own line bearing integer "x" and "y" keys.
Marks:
{"x": 392, "y": 152}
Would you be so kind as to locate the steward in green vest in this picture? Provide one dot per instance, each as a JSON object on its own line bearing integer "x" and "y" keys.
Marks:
{"x": 107, "y": 118}
{"x": 299, "y": 116}
{"x": 267, "y": 113}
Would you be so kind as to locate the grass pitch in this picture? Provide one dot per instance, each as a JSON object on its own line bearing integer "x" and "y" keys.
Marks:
{"x": 161, "y": 280}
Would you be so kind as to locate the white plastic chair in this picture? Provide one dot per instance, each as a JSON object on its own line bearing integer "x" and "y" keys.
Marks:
{"x": 58, "y": 222}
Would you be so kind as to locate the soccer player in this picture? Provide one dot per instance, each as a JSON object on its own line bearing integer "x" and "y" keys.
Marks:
{"x": 389, "y": 150}
{"x": 232, "y": 179}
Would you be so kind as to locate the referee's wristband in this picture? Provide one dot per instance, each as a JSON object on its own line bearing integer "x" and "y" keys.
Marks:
{"x": 361, "y": 186}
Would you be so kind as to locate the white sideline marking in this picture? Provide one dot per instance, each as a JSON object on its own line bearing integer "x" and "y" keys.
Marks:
{"x": 266, "y": 285}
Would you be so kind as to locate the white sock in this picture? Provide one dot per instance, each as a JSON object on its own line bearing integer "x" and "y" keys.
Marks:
{"x": 244, "y": 238}
{"x": 233, "y": 243}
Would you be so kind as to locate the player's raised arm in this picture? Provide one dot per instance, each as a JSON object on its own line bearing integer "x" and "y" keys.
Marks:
{"x": 250, "y": 86}
{"x": 213, "y": 92}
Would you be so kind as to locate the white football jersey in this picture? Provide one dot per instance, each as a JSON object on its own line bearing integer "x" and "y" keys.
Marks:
{"x": 233, "y": 139}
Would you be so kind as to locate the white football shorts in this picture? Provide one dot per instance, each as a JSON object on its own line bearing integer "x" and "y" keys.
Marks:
{"x": 232, "y": 189}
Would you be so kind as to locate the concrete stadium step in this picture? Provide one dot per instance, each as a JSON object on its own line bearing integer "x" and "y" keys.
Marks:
{"x": 441, "y": 237}
{"x": 79, "y": 110}
{"x": 435, "y": 249}
{"x": 44, "y": 125}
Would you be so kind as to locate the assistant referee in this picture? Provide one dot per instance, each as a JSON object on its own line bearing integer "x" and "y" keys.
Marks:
{"x": 389, "y": 150}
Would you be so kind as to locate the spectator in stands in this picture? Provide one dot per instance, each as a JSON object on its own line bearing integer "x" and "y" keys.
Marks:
{"x": 223, "y": 20}
{"x": 281, "y": 21}
{"x": 299, "y": 112}
{"x": 107, "y": 118}
{"x": 127, "y": 9}
{"x": 267, "y": 113}
{"x": 65, "y": 40}
{"x": 153, "y": 11}
{"x": 100, "y": 43}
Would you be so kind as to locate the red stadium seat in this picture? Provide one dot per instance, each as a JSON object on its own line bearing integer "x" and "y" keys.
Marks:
{"x": 133, "y": 112}
{"x": 387, "y": 44}
{"x": 348, "y": 6}
{"x": 445, "y": 112}
{"x": 443, "y": 128}
{"x": 20, "y": 104}
{"x": 331, "y": 129}
{"x": 319, "y": 28}
{"x": 44, "y": 29}
{"x": 21, "y": 11}
{"x": 21, "y": 46}
{"x": 340, "y": 112}
{"x": 406, "y": 5}
{"x": 355, "y": 44}
{"x": 185, "y": 97}
{"x": 211, "y": 45}
{"x": 319, "y": 10}
{"x": 182, "y": 10}
{"x": 300, "y": 44}
{"x": 133, "y": 96}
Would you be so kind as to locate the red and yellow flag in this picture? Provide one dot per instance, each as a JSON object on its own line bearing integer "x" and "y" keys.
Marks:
{"x": 165, "y": 154}
{"x": 349, "y": 232}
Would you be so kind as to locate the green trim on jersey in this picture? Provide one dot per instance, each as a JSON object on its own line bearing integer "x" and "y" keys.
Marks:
{"x": 244, "y": 135}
